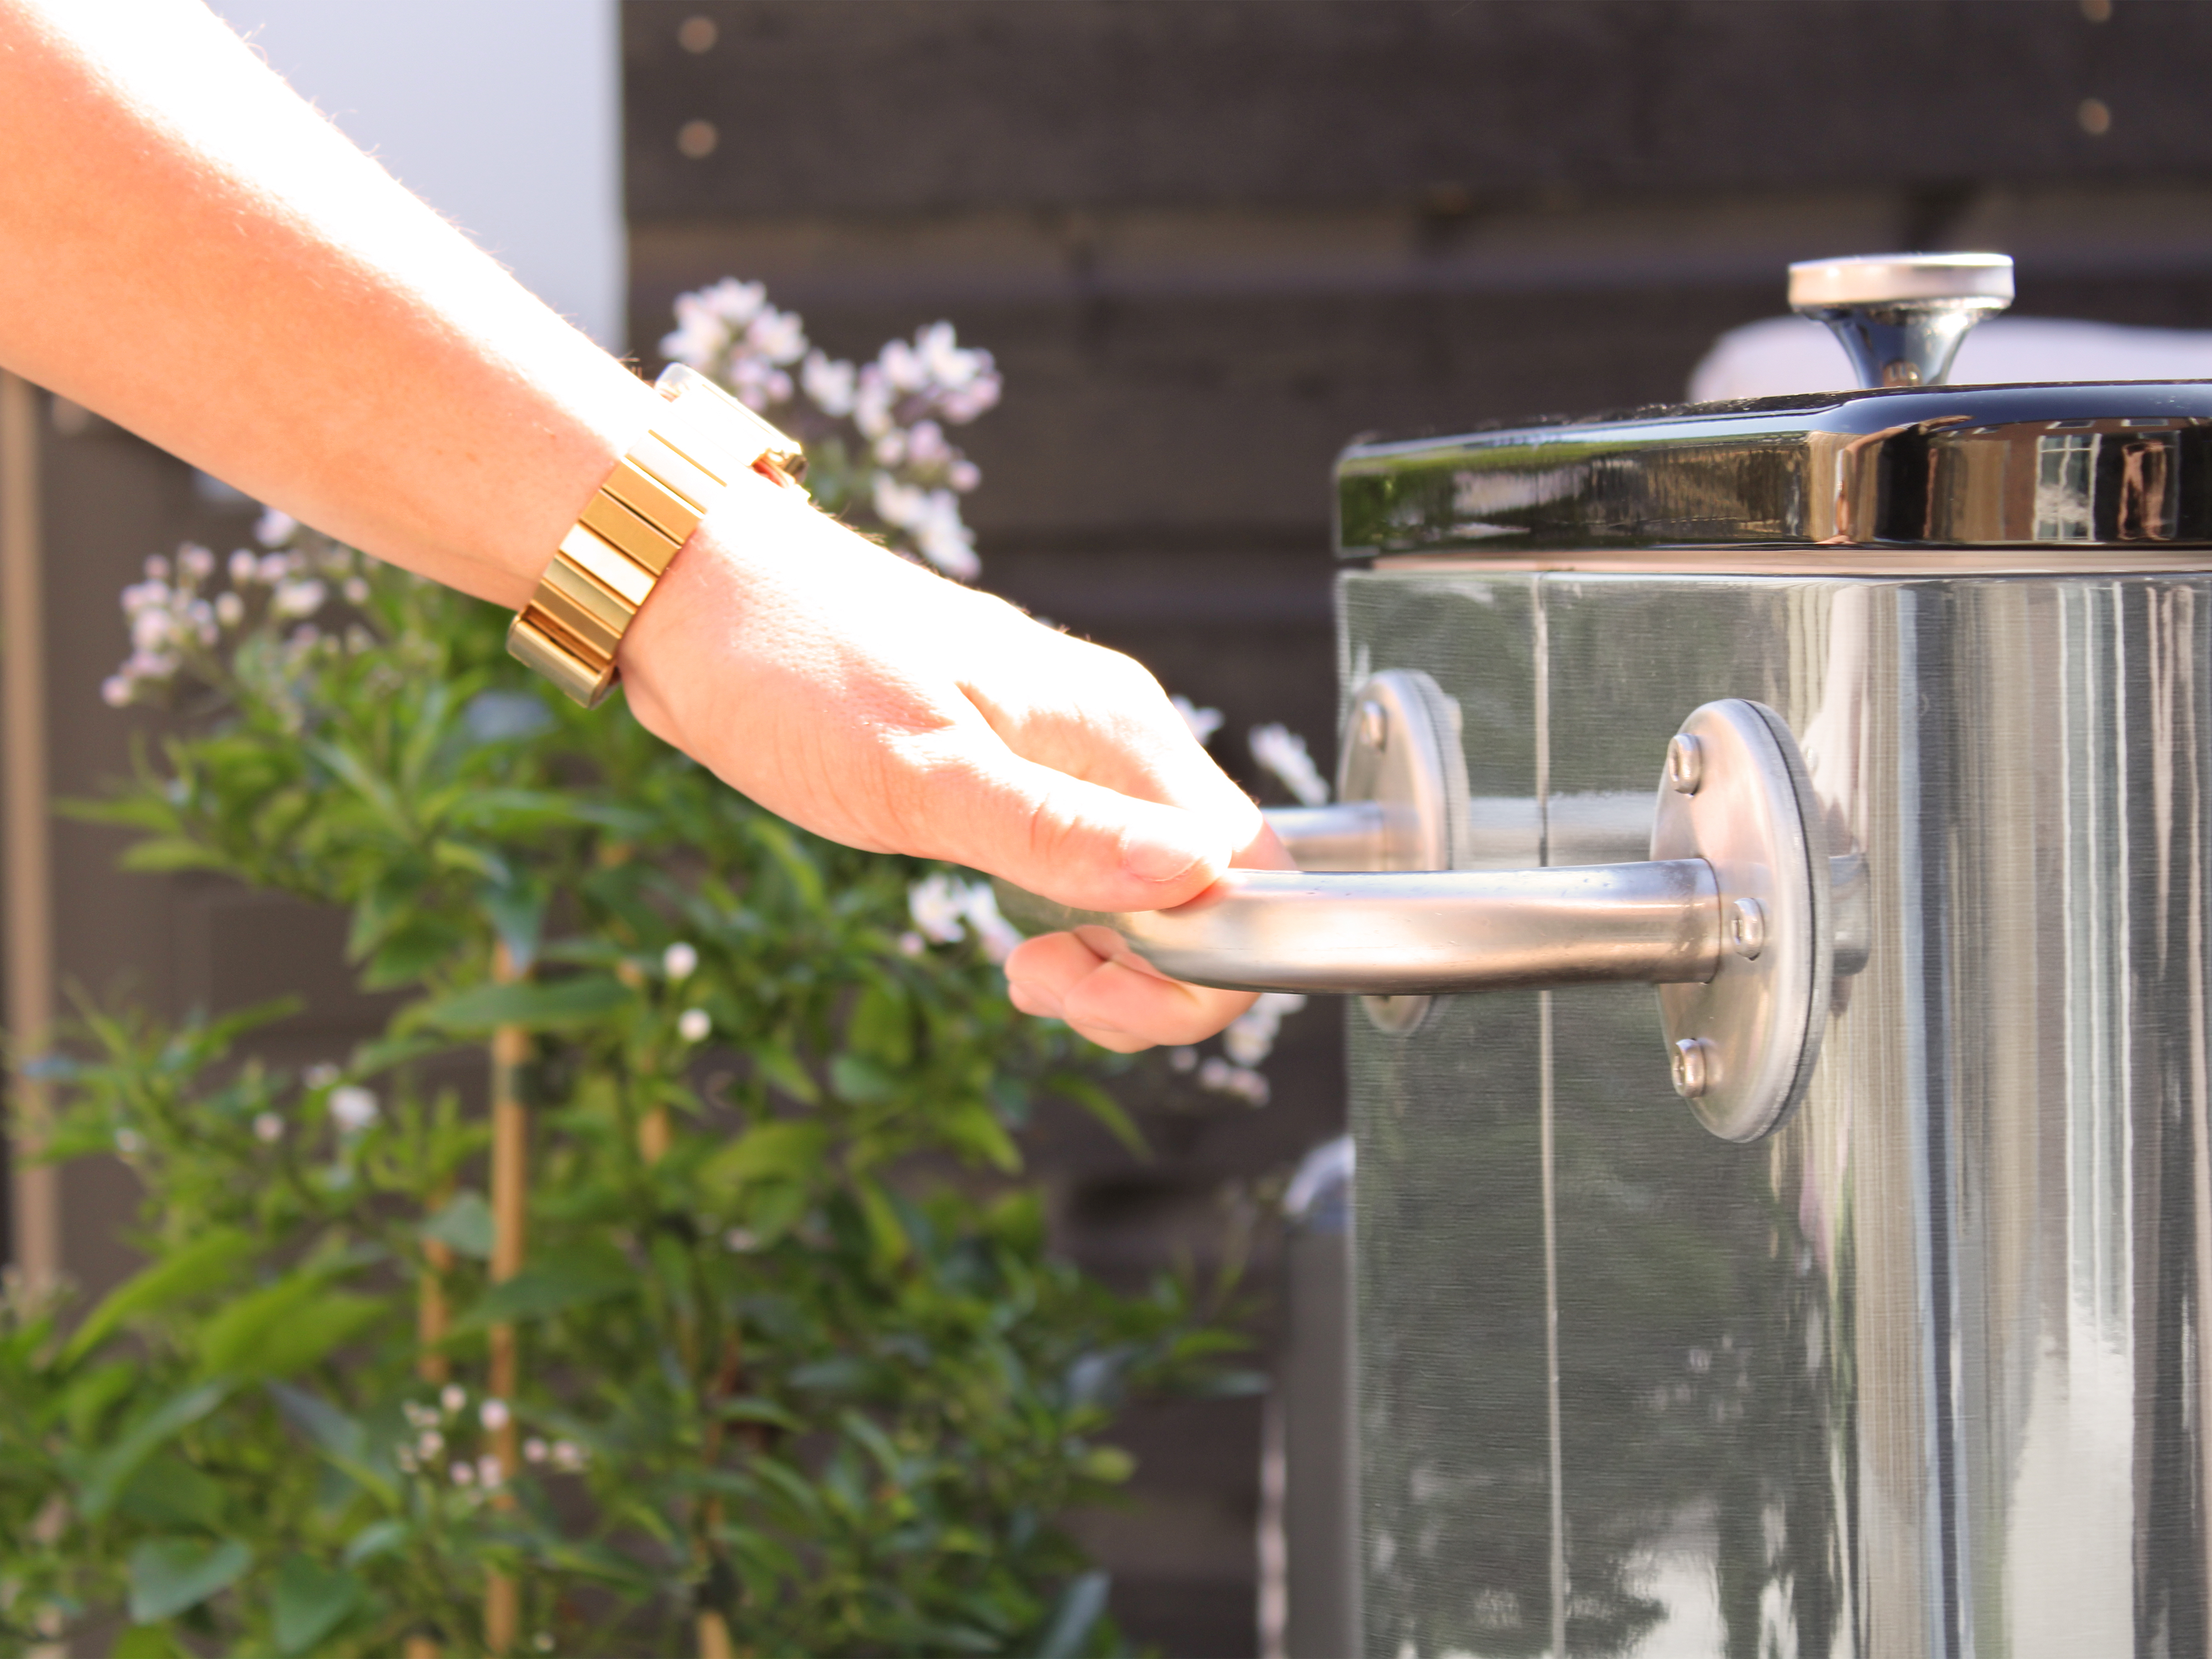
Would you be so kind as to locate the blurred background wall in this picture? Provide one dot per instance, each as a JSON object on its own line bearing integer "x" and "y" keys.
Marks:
{"x": 1209, "y": 241}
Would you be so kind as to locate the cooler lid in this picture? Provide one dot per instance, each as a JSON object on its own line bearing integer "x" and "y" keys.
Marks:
{"x": 2052, "y": 470}
{"x": 2059, "y": 469}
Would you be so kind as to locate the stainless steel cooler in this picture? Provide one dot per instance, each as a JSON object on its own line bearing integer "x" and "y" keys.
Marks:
{"x": 1847, "y": 1296}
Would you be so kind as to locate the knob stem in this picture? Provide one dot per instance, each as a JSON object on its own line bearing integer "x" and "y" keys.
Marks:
{"x": 1901, "y": 317}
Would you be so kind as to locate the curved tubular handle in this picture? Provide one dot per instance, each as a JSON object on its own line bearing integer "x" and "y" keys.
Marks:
{"x": 1399, "y": 933}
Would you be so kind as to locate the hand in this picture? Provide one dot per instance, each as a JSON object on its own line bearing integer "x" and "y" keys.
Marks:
{"x": 882, "y": 705}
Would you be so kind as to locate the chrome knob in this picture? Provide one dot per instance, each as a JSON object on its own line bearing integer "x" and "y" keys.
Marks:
{"x": 1900, "y": 317}
{"x": 1729, "y": 914}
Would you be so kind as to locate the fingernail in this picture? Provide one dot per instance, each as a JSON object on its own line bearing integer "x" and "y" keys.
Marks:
{"x": 1163, "y": 857}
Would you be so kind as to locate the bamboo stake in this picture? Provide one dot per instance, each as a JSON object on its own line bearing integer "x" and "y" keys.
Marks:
{"x": 35, "y": 1188}
{"x": 510, "y": 1193}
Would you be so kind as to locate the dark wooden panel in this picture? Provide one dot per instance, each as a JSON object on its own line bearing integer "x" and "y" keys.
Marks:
{"x": 889, "y": 107}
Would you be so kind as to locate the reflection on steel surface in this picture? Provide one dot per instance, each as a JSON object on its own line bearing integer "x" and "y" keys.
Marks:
{"x": 1921, "y": 1374}
{"x": 1901, "y": 318}
{"x": 1412, "y": 932}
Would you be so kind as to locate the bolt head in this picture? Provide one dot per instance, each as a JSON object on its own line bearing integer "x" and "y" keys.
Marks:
{"x": 1692, "y": 1065}
{"x": 1686, "y": 764}
{"x": 1374, "y": 727}
{"x": 1748, "y": 928}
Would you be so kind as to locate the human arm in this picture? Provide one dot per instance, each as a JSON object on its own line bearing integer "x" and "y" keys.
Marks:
{"x": 189, "y": 249}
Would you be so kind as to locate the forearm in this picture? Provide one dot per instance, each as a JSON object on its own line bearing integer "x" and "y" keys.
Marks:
{"x": 188, "y": 249}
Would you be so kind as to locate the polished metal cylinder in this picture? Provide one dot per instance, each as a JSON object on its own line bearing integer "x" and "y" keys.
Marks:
{"x": 1923, "y": 1374}
{"x": 1394, "y": 934}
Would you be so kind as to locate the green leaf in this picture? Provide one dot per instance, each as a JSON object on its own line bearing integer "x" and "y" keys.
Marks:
{"x": 1103, "y": 1107}
{"x": 338, "y": 1435}
{"x": 561, "y": 1005}
{"x": 168, "y": 1574}
{"x": 378, "y": 1538}
{"x": 786, "y": 1149}
{"x": 465, "y": 1225}
{"x": 210, "y": 1260}
{"x": 1107, "y": 1463}
{"x": 310, "y": 1601}
{"x": 749, "y": 1409}
{"x": 166, "y": 853}
{"x": 887, "y": 1240}
{"x": 168, "y": 1491}
{"x": 860, "y": 1080}
{"x": 972, "y": 1128}
{"x": 146, "y": 1642}
{"x": 553, "y": 1284}
{"x": 283, "y": 1327}
{"x": 780, "y": 1068}
{"x": 1081, "y": 1606}
{"x": 96, "y": 1496}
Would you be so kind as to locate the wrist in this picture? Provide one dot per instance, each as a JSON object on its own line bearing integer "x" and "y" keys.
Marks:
{"x": 700, "y": 445}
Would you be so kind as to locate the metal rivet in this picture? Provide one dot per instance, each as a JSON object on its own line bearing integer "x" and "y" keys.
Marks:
{"x": 1748, "y": 928}
{"x": 697, "y": 139}
{"x": 1686, "y": 764}
{"x": 1374, "y": 727}
{"x": 1692, "y": 1068}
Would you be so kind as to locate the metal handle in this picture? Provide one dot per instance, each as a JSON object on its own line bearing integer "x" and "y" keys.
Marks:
{"x": 1430, "y": 932}
{"x": 1731, "y": 916}
{"x": 1901, "y": 318}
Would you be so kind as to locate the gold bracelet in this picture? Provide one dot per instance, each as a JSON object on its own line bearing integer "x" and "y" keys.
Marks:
{"x": 700, "y": 445}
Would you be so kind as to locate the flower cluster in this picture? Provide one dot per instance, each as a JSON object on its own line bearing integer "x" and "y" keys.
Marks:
{"x": 1283, "y": 753}
{"x": 883, "y": 422}
{"x": 427, "y": 1445}
{"x": 944, "y": 908}
{"x": 190, "y": 614}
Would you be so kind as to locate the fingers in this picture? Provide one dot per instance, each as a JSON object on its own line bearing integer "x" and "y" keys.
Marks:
{"x": 1074, "y": 841}
{"x": 1112, "y": 996}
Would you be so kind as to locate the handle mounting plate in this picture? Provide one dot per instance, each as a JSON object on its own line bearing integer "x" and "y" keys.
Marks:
{"x": 1754, "y": 1027}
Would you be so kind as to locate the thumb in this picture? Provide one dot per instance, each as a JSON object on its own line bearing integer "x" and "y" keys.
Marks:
{"x": 1077, "y": 843}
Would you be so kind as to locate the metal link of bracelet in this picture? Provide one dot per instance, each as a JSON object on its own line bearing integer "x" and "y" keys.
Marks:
{"x": 612, "y": 555}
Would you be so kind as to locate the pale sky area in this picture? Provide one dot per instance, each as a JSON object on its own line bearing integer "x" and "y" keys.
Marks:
{"x": 504, "y": 114}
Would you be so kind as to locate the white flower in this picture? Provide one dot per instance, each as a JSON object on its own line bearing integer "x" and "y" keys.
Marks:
{"x": 1223, "y": 1078}
{"x": 150, "y": 630}
{"x": 275, "y": 568}
{"x": 492, "y": 1414}
{"x": 993, "y": 931}
{"x": 195, "y": 562}
{"x": 1203, "y": 722}
{"x": 418, "y": 1416}
{"x": 452, "y": 1397}
{"x": 129, "y": 1142}
{"x": 355, "y": 590}
{"x": 777, "y": 336}
{"x": 429, "y": 1443}
{"x": 1251, "y": 1036}
{"x": 534, "y": 1450}
{"x": 1283, "y": 752}
{"x": 926, "y": 444}
{"x": 694, "y": 1025}
{"x": 157, "y": 567}
{"x": 936, "y": 903}
{"x": 738, "y": 1240}
{"x": 735, "y": 302}
{"x": 353, "y": 1109}
{"x": 299, "y": 599}
{"x": 678, "y": 962}
{"x": 830, "y": 382}
{"x": 268, "y": 1127}
{"x": 872, "y": 403}
{"x": 488, "y": 1470}
{"x": 759, "y": 383}
{"x": 902, "y": 366}
{"x": 1183, "y": 1060}
{"x": 244, "y": 568}
{"x": 568, "y": 1456}
{"x": 115, "y": 691}
{"x": 912, "y": 944}
{"x": 405, "y": 1458}
{"x": 963, "y": 475}
{"x": 229, "y": 610}
{"x": 275, "y": 528}
{"x": 462, "y": 1474}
